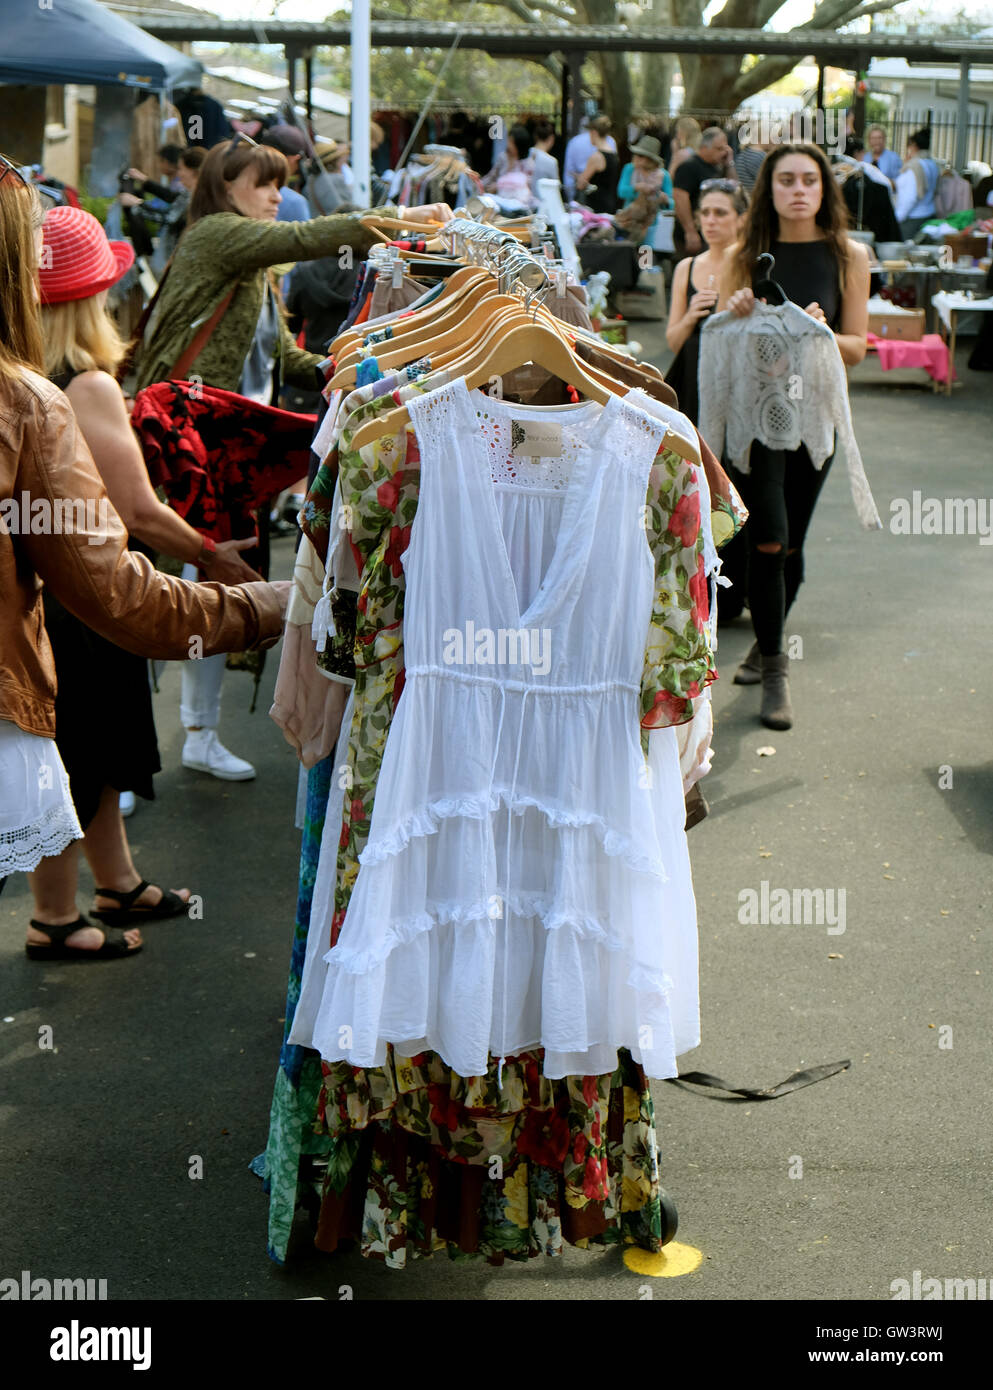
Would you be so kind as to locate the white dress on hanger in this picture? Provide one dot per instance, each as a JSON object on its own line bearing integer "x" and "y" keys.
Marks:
{"x": 525, "y": 881}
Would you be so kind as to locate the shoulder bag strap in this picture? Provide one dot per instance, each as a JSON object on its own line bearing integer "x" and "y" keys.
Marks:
{"x": 126, "y": 365}
{"x": 202, "y": 337}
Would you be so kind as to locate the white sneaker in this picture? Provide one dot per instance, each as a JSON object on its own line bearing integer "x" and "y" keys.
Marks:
{"x": 204, "y": 752}
{"x": 127, "y": 804}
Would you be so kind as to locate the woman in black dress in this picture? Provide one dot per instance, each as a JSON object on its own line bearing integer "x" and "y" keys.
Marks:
{"x": 598, "y": 181}
{"x": 696, "y": 285}
{"x": 797, "y": 213}
{"x": 105, "y": 732}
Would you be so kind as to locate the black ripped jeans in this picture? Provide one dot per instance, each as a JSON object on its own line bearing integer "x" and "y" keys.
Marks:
{"x": 780, "y": 491}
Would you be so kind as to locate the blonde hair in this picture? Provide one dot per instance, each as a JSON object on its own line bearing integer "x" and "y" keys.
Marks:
{"x": 80, "y": 334}
{"x": 21, "y": 217}
{"x": 689, "y": 132}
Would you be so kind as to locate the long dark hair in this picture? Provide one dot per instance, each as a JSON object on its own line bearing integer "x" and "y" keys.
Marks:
{"x": 762, "y": 224}
{"x": 223, "y": 165}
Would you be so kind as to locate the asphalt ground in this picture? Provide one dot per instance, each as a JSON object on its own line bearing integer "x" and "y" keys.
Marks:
{"x": 832, "y": 1192}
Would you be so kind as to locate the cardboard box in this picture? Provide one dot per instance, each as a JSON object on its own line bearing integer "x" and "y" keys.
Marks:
{"x": 907, "y": 325}
{"x": 972, "y": 244}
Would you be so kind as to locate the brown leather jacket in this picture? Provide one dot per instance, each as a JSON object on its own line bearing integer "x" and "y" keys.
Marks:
{"x": 57, "y": 525}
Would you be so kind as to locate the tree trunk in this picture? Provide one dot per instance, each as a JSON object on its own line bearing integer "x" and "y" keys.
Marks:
{"x": 615, "y": 69}
{"x": 657, "y": 69}
{"x": 713, "y": 85}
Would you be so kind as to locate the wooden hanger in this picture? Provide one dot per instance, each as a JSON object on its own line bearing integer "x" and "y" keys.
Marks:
{"x": 377, "y": 223}
{"x": 445, "y": 339}
{"x": 498, "y": 336}
{"x": 508, "y": 344}
{"x": 427, "y": 320}
{"x": 418, "y": 338}
{"x": 455, "y": 286}
{"x": 514, "y": 342}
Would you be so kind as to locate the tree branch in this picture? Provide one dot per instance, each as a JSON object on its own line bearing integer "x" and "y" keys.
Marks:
{"x": 767, "y": 9}
{"x": 688, "y": 14}
{"x": 524, "y": 9}
{"x": 745, "y": 14}
{"x": 561, "y": 12}
{"x": 829, "y": 14}
{"x": 877, "y": 8}
{"x": 762, "y": 75}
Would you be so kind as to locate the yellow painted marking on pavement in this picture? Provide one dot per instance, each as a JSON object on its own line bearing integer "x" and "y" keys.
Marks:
{"x": 672, "y": 1261}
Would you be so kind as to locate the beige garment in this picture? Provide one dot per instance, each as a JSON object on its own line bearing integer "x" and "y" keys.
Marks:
{"x": 150, "y": 130}
{"x": 306, "y": 705}
{"x": 694, "y": 740}
{"x": 387, "y": 300}
{"x": 572, "y": 309}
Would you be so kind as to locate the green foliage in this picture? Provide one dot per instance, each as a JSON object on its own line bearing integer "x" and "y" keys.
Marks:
{"x": 99, "y": 207}
{"x": 875, "y": 108}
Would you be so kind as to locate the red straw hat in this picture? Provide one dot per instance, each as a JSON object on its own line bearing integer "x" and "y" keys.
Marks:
{"x": 78, "y": 261}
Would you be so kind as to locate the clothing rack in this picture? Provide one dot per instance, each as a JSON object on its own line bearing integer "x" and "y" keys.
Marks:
{"x": 514, "y": 263}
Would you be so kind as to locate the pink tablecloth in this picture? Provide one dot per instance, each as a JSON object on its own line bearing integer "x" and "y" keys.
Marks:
{"x": 931, "y": 353}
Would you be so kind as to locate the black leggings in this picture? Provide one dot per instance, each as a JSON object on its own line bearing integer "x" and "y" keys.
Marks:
{"x": 780, "y": 492}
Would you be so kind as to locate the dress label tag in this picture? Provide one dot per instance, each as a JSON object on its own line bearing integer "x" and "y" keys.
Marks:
{"x": 536, "y": 438}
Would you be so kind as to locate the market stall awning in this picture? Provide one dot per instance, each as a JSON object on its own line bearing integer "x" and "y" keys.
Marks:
{"x": 82, "y": 41}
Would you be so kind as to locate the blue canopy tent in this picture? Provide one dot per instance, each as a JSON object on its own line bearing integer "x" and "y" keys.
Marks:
{"x": 81, "y": 41}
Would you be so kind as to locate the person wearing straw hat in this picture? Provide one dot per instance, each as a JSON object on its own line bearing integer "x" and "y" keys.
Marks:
{"x": 643, "y": 188}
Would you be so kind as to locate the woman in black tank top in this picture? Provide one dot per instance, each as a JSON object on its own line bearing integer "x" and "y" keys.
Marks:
{"x": 797, "y": 213}
{"x": 104, "y": 725}
{"x": 695, "y": 285}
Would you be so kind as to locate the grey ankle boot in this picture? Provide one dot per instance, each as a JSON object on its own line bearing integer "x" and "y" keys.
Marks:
{"x": 776, "y": 711}
{"x": 750, "y": 670}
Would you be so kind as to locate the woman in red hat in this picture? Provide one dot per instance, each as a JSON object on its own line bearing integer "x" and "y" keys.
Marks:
{"x": 58, "y": 529}
{"x": 105, "y": 731}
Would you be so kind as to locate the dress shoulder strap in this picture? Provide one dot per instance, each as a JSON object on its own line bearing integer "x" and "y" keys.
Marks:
{"x": 64, "y": 377}
{"x": 439, "y": 413}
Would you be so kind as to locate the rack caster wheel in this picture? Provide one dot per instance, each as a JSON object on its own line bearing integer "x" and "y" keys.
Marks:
{"x": 670, "y": 1217}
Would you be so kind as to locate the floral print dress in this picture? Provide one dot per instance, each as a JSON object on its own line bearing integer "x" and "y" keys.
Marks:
{"x": 415, "y": 1158}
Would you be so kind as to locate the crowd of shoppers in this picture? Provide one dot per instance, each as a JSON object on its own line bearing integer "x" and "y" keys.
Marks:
{"x": 84, "y": 606}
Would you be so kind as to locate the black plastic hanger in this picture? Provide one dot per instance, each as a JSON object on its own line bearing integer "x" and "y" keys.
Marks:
{"x": 766, "y": 287}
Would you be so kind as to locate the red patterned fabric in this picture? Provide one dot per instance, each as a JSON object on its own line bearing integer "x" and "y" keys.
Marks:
{"x": 217, "y": 455}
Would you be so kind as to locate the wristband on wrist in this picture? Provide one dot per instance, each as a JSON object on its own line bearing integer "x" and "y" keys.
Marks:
{"x": 207, "y": 549}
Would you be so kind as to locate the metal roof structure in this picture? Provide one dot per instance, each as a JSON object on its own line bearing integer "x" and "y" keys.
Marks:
{"x": 841, "y": 50}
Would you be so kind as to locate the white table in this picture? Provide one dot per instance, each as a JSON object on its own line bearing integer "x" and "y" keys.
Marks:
{"x": 949, "y": 306}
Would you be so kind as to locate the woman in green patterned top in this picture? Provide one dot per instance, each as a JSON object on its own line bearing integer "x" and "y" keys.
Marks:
{"x": 227, "y": 253}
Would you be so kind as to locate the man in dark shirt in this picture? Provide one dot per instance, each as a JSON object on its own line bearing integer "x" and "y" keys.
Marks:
{"x": 204, "y": 121}
{"x": 711, "y": 161}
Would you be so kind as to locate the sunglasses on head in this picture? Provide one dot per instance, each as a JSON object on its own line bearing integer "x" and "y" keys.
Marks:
{"x": 240, "y": 136}
{"x": 722, "y": 186}
{"x": 48, "y": 200}
{"x": 7, "y": 168}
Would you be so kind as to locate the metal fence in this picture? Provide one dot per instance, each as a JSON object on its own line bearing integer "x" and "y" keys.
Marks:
{"x": 899, "y": 124}
{"x": 944, "y": 128}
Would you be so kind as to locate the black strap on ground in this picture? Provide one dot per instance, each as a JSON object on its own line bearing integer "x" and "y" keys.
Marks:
{"x": 807, "y": 1077}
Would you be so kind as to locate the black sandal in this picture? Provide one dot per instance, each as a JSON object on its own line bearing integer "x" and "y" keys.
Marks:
{"x": 169, "y": 905}
{"x": 114, "y": 947}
